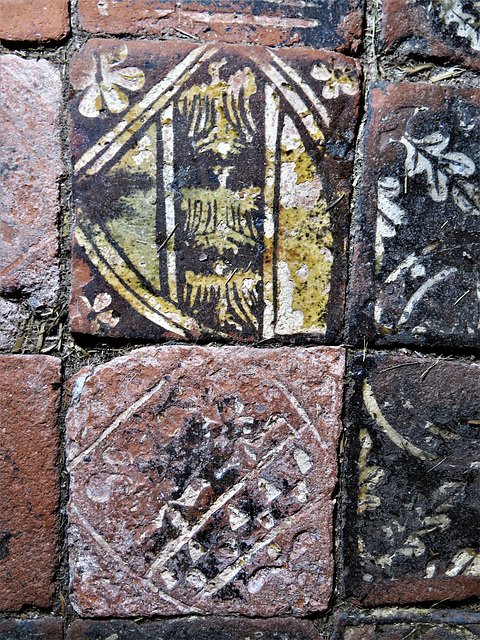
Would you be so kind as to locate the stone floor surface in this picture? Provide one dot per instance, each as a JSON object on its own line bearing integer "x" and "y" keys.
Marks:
{"x": 239, "y": 320}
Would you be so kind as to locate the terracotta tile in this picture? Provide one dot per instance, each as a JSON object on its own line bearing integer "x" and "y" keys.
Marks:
{"x": 211, "y": 190}
{"x": 416, "y": 252}
{"x": 201, "y": 481}
{"x": 332, "y": 25}
{"x": 29, "y": 196}
{"x": 34, "y": 20}
{"x": 398, "y": 625}
{"x": 39, "y": 629}
{"x": 412, "y": 512}
{"x": 29, "y": 397}
{"x": 445, "y": 29}
{"x": 193, "y": 629}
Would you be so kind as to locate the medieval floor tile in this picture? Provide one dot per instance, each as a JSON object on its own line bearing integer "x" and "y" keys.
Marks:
{"x": 211, "y": 190}
{"x": 29, "y": 397}
{"x": 33, "y": 20}
{"x": 332, "y": 25}
{"x": 29, "y": 198}
{"x": 40, "y": 629}
{"x": 444, "y": 28}
{"x": 201, "y": 481}
{"x": 413, "y": 507}
{"x": 417, "y": 248}
{"x": 400, "y": 625}
{"x": 195, "y": 629}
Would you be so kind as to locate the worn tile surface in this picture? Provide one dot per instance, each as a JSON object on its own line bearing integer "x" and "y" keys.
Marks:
{"x": 211, "y": 189}
{"x": 444, "y": 28}
{"x": 201, "y": 481}
{"x": 332, "y": 25}
{"x": 40, "y": 629}
{"x": 389, "y": 625}
{"x": 29, "y": 198}
{"x": 417, "y": 248}
{"x": 410, "y": 525}
{"x": 195, "y": 629}
{"x": 33, "y": 20}
{"x": 29, "y": 396}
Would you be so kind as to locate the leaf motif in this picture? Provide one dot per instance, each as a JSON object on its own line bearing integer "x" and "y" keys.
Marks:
{"x": 427, "y": 156}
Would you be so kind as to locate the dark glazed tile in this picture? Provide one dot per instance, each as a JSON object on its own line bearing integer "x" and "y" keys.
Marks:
{"x": 410, "y": 525}
{"x": 195, "y": 629}
{"x": 400, "y": 625}
{"x": 415, "y": 278}
{"x": 442, "y": 28}
{"x": 216, "y": 202}
{"x": 40, "y": 629}
{"x": 207, "y": 487}
{"x": 330, "y": 25}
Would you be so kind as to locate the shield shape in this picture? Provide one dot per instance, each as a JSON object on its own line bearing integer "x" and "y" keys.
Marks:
{"x": 206, "y": 205}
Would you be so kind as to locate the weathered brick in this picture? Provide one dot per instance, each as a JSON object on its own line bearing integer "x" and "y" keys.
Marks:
{"x": 39, "y": 629}
{"x": 412, "y": 511}
{"x": 333, "y": 25}
{"x": 399, "y": 625}
{"x": 31, "y": 168}
{"x": 217, "y": 202}
{"x": 29, "y": 397}
{"x": 201, "y": 481}
{"x": 445, "y": 29}
{"x": 416, "y": 253}
{"x": 194, "y": 629}
{"x": 33, "y": 20}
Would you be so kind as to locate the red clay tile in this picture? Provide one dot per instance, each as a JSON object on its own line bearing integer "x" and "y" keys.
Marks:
{"x": 29, "y": 398}
{"x": 333, "y": 25}
{"x": 34, "y": 20}
{"x": 201, "y": 481}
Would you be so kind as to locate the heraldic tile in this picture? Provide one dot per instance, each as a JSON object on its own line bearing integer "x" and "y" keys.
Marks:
{"x": 205, "y": 485}
{"x": 415, "y": 277}
{"x": 410, "y": 524}
{"x": 211, "y": 190}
